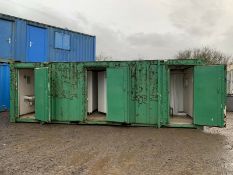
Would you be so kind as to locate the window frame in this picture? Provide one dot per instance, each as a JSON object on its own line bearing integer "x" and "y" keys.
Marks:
{"x": 61, "y": 43}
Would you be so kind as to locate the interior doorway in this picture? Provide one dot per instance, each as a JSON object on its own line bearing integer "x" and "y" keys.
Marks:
{"x": 96, "y": 94}
{"x": 181, "y": 95}
{"x": 26, "y": 93}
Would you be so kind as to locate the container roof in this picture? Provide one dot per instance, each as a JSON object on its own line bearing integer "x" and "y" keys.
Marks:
{"x": 185, "y": 62}
{"x": 9, "y": 17}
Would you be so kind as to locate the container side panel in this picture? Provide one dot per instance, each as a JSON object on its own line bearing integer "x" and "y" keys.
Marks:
{"x": 93, "y": 53}
{"x": 4, "y": 87}
{"x": 153, "y": 97}
{"x": 67, "y": 83}
{"x": 209, "y": 92}
{"x": 145, "y": 96}
{"x": 117, "y": 92}
{"x": 13, "y": 92}
{"x": 75, "y": 47}
{"x": 20, "y": 40}
{"x": 42, "y": 94}
{"x": 165, "y": 95}
{"x": 132, "y": 92}
{"x": 6, "y": 39}
{"x": 141, "y": 94}
{"x": 143, "y": 103}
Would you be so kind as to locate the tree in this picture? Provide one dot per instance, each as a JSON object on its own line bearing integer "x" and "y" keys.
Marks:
{"x": 208, "y": 55}
{"x": 103, "y": 57}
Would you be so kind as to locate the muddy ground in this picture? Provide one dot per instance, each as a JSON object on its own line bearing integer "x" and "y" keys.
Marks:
{"x": 82, "y": 149}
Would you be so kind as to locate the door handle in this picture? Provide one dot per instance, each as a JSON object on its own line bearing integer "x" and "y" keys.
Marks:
{"x": 9, "y": 40}
{"x": 30, "y": 44}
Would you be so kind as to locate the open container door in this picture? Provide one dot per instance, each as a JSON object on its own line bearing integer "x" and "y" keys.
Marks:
{"x": 209, "y": 95}
{"x": 117, "y": 94}
{"x": 42, "y": 95}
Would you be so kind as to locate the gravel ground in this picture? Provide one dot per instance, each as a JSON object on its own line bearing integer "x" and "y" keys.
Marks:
{"x": 81, "y": 149}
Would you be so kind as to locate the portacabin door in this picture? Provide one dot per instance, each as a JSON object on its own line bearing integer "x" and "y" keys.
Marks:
{"x": 117, "y": 94}
{"x": 209, "y": 95}
{"x": 42, "y": 95}
{"x": 5, "y": 39}
{"x": 36, "y": 44}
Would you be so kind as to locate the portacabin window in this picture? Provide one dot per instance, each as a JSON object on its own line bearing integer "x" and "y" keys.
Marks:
{"x": 62, "y": 41}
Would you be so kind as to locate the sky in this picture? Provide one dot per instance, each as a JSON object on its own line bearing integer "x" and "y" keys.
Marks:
{"x": 137, "y": 29}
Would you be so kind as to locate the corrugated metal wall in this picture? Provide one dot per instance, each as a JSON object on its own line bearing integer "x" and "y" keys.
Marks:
{"x": 4, "y": 87}
{"x": 84, "y": 43}
{"x": 146, "y": 97}
{"x": 15, "y": 43}
{"x": 20, "y": 40}
{"x": 67, "y": 99}
{"x": 82, "y": 46}
{"x": 137, "y": 92}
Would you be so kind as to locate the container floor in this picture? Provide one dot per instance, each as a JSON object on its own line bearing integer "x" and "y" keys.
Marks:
{"x": 178, "y": 119}
{"x": 28, "y": 116}
{"x": 96, "y": 116}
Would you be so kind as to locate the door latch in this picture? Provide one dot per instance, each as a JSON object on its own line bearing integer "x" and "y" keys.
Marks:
{"x": 9, "y": 40}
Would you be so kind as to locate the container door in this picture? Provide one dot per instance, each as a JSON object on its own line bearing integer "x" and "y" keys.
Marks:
{"x": 117, "y": 94}
{"x": 209, "y": 95}
{"x": 42, "y": 95}
{"x": 36, "y": 44}
{"x": 4, "y": 87}
{"x": 5, "y": 39}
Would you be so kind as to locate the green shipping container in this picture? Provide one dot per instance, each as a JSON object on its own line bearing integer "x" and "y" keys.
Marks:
{"x": 174, "y": 93}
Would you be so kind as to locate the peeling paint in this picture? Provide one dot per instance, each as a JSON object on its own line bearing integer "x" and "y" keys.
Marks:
{"x": 145, "y": 85}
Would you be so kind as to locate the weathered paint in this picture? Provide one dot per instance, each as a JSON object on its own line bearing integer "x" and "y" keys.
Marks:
{"x": 117, "y": 85}
{"x": 185, "y": 62}
{"x": 42, "y": 94}
{"x": 67, "y": 92}
{"x": 137, "y": 93}
{"x": 209, "y": 85}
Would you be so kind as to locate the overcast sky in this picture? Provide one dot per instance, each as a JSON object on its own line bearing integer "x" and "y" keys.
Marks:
{"x": 133, "y": 29}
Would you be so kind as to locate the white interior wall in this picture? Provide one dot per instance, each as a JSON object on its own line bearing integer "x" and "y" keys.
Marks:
{"x": 26, "y": 87}
{"x": 188, "y": 91}
{"x": 230, "y": 81}
{"x": 89, "y": 91}
{"x": 92, "y": 91}
{"x": 102, "y": 94}
{"x": 176, "y": 91}
{"x": 95, "y": 90}
{"x": 181, "y": 91}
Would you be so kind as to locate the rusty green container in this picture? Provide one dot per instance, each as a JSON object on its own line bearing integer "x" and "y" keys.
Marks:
{"x": 175, "y": 93}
